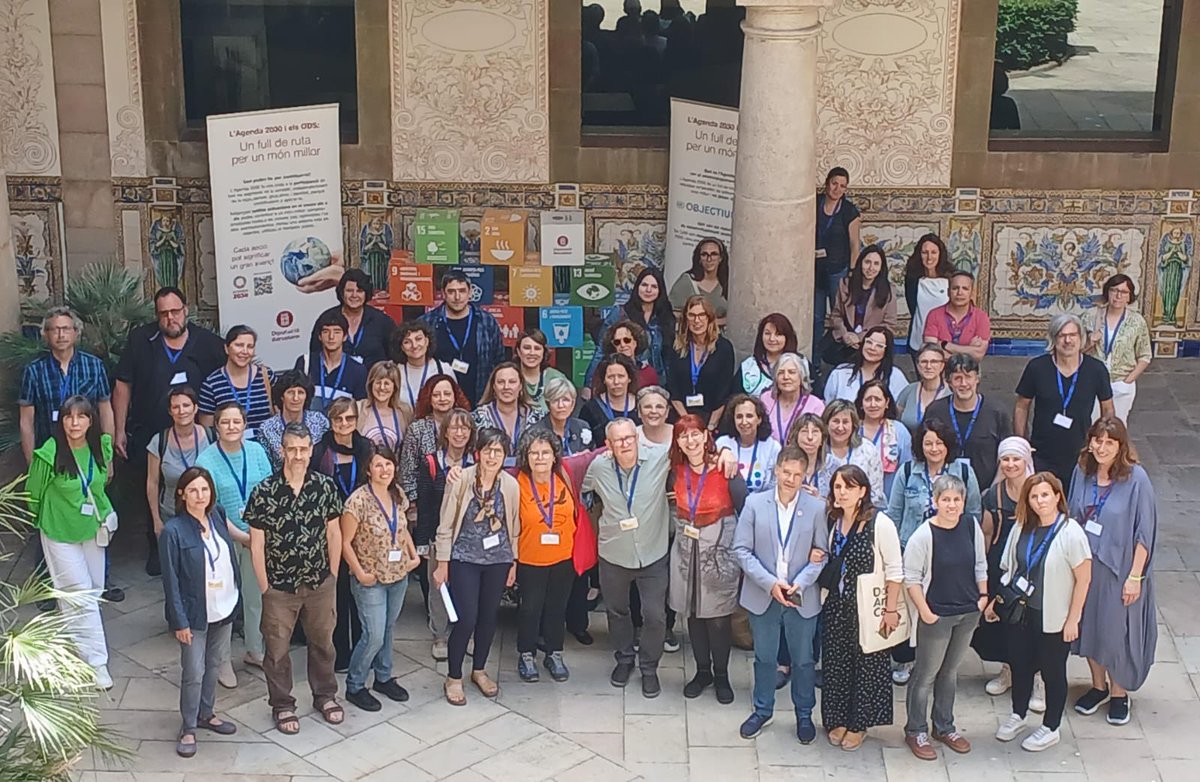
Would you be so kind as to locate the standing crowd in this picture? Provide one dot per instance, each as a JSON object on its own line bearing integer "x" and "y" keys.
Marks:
{"x": 870, "y": 533}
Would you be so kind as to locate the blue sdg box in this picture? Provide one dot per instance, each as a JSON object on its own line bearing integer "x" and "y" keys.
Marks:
{"x": 563, "y": 326}
{"x": 483, "y": 282}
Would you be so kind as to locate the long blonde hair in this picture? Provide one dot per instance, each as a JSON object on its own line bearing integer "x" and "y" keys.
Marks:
{"x": 683, "y": 334}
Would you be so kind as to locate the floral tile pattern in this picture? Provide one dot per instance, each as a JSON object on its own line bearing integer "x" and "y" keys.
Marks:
{"x": 898, "y": 240}
{"x": 28, "y": 113}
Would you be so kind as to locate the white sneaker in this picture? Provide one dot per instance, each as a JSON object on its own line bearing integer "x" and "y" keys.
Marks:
{"x": 1037, "y": 699}
{"x": 1011, "y": 728}
{"x": 104, "y": 680}
{"x": 1040, "y": 739}
{"x": 901, "y": 674}
{"x": 1001, "y": 684}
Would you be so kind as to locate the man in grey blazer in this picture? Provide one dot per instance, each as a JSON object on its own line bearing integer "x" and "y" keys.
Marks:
{"x": 780, "y": 542}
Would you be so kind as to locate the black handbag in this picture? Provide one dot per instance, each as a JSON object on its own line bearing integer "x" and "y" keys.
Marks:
{"x": 831, "y": 574}
{"x": 1010, "y": 605}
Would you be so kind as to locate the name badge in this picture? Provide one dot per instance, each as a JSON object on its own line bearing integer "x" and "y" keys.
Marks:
{"x": 459, "y": 366}
{"x": 178, "y": 377}
{"x": 357, "y": 359}
{"x": 1093, "y": 526}
{"x": 395, "y": 555}
{"x": 628, "y": 524}
{"x": 820, "y": 252}
{"x": 1064, "y": 421}
{"x": 422, "y": 551}
{"x": 54, "y": 416}
{"x": 250, "y": 433}
{"x": 691, "y": 531}
{"x": 216, "y": 586}
{"x": 491, "y": 541}
{"x": 87, "y": 509}
{"x": 550, "y": 538}
{"x": 1024, "y": 585}
{"x": 694, "y": 400}
{"x": 858, "y": 329}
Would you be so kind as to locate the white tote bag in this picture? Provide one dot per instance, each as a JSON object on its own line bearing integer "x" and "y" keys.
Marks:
{"x": 872, "y": 597}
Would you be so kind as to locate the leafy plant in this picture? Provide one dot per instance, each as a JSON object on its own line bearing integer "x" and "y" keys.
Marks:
{"x": 1033, "y": 32}
{"x": 48, "y": 712}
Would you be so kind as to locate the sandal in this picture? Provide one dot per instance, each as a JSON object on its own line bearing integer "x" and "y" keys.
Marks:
{"x": 286, "y": 722}
{"x": 332, "y": 712}
{"x": 454, "y": 692}
{"x": 183, "y": 749}
{"x": 484, "y": 684}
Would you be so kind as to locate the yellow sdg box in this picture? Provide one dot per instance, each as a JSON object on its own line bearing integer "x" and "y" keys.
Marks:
{"x": 531, "y": 286}
{"x": 503, "y": 233}
{"x": 435, "y": 236}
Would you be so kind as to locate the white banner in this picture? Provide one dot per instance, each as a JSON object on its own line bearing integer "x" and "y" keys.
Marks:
{"x": 700, "y": 198}
{"x": 277, "y": 222}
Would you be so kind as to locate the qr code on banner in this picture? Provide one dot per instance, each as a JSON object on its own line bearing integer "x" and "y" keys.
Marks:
{"x": 264, "y": 285}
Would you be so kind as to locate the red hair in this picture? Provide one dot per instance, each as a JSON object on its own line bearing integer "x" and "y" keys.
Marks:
{"x": 688, "y": 423}
{"x": 424, "y": 404}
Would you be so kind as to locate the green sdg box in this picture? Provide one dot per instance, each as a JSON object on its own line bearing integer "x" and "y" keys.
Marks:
{"x": 581, "y": 358}
{"x": 594, "y": 285}
{"x": 435, "y": 236}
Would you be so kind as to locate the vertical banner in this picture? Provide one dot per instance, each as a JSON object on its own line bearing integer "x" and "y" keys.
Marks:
{"x": 277, "y": 222}
{"x": 700, "y": 194}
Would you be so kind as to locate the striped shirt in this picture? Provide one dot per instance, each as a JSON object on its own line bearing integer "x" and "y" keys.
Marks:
{"x": 44, "y": 387}
{"x": 218, "y": 389}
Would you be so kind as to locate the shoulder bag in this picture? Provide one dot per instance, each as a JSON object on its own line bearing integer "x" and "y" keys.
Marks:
{"x": 872, "y": 597}
{"x": 1011, "y": 604}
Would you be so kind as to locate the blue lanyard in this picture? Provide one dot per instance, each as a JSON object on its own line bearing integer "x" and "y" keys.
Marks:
{"x": 1097, "y": 500}
{"x": 337, "y": 476}
{"x": 383, "y": 430}
{"x": 547, "y": 513}
{"x": 783, "y": 542}
{"x": 1066, "y": 398}
{"x": 1033, "y": 557}
{"x": 828, "y": 218}
{"x": 862, "y": 431}
{"x": 444, "y": 460}
{"x": 91, "y": 472}
{"x": 608, "y": 410}
{"x": 956, "y": 334}
{"x": 394, "y": 523}
{"x": 64, "y": 383}
{"x": 696, "y": 367}
{"x": 357, "y": 338}
{"x": 213, "y": 559}
{"x": 337, "y": 381}
{"x": 929, "y": 484}
{"x": 516, "y": 433}
{"x": 179, "y": 447}
{"x": 1110, "y": 339}
{"x": 779, "y": 430}
{"x": 249, "y": 387}
{"x": 633, "y": 477}
{"x": 693, "y": 500}
{"x": 412, "y": 398}
{"x": 566, "y": 441}
{"x": 921, "y": 410}
{"x": 458, "y": 348}
{"x": 244, "y": 484}
{"x": 750, "y": 466}
{"x": 962, "y": 439}
{"x": 172, "y": 356}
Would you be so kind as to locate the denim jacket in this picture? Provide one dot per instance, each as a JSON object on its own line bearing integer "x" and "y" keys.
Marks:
{"x": 181, "y": 551}
{"x": 910, "y": 499}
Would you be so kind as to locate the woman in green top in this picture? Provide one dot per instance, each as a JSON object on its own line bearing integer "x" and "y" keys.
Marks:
{"x": 531, "y": 353}
{"x": 66, "y": 495}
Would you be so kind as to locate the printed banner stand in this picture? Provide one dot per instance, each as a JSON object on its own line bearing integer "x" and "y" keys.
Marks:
{"x": 275, "y": 178}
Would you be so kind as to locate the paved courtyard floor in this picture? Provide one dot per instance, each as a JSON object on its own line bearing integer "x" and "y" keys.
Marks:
{"x": 585, "y": 729}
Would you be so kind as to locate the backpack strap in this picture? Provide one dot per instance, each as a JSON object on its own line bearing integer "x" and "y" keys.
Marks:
{"x": 432, "y": 462}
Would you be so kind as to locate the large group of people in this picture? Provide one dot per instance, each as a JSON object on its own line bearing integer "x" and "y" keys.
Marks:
{"x": 871, "y": 527}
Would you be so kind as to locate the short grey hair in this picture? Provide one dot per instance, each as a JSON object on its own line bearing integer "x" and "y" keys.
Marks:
{"x": 801, "y": 366}
{"x": 646, "y": 391}
{"x": 947, "y": 482}
{"x": 1060, "y": 322}
{"x": 296, "y": 429}
{"x": 558, "y": 387}
{"x": 618, "y": 421}
{"x": 62, "y": 311}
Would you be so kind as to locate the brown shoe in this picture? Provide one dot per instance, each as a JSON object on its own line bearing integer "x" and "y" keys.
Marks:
{"x": 836, "y": 735}
{"x": 921, "y": 748}
{"x": 955, "y": 741}
{"x": 484, "y": 684}
{"x": 852, "y": 741}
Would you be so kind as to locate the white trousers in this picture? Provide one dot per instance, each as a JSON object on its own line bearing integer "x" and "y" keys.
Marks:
{"x": 79, "y": 567}
{"x": 1123, "y": 396}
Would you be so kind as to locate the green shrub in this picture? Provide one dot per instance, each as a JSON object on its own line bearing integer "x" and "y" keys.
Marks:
{"x": 1032, "y": 32}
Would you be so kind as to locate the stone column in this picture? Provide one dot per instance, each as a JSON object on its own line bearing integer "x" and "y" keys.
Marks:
{"x": 774, "y": 203}
{"x": 10, "y": 300}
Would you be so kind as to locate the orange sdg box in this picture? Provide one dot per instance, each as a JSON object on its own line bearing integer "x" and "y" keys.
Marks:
{"x": 503, "y": 233}
{"x": 409, "y": 284}
{"x": 531, "y": 286}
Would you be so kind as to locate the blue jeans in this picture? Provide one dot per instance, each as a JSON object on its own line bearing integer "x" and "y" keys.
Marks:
{"x": 825, "y": 287}
{"x": 378, "y": 606}
{"x": 764, "y": 628}
{"x": 200, "y": 662}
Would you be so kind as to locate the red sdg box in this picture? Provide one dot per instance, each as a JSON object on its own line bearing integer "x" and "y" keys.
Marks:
{"x": 511, "y": 320}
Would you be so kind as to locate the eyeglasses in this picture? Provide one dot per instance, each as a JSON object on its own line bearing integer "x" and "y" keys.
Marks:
{"x": 697, "y": 315}
{"x": 172, "y": 313}
{"x": 626, "y": 440}
{"x": 458, "y": 428}
{"x": 710, "y": 255}
{"x": 930, "y": 362}
{"x": 59, "y": 329}
{"x": 348, "y": 417}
